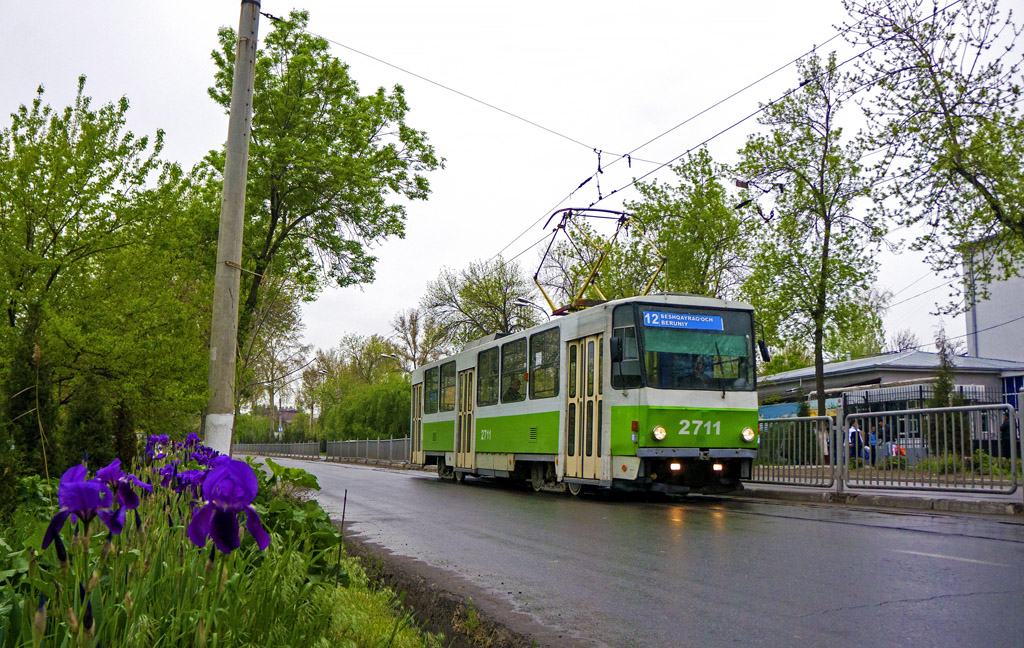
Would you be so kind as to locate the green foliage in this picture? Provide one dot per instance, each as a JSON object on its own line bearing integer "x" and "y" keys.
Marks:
{"x": 251, "y": 428}
{"x": 370, "y": 411}
{"x": 330, "y": 170}
{"x": 88, "y": 431}
{"x": 696, "y": 227}
{"x": 813, "y": 257}
{"x": 626, "y": 267}
{"x": 102, "y": 268}
{"x": 286, "y": 479}
{"x": 478, "y": 301}
{"x": 945, "y": 113}
{"x": 892, "y": 463}
{"x": 27, "y": 422}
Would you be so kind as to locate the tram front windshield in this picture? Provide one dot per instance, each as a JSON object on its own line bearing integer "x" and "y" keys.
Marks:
{"x": 697, "y": 348}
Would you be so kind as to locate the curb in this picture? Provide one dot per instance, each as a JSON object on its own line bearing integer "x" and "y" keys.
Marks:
{"x": 886, "y": 501}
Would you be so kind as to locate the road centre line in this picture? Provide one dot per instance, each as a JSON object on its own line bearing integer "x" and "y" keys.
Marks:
{"x": 931, "y": 555}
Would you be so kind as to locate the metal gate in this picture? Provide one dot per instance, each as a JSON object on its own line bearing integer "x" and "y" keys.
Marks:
{"x": 945, "y": 449}
{"x": 795, "y": 451}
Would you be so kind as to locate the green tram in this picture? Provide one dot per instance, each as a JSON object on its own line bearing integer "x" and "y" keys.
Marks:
{"x": 655, "y": 392}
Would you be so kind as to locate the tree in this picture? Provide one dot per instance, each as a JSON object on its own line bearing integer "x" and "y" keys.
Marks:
{"x": 67, "y": 181}
{"x": 815, "y": 256}
{"x": 627, "y": 263}
{"x": 944, "y": 435}
{"x": 101, "y": 268}
{"x": 945, "y": 111}
{"x": 330, "y": 170}
{"x": 29, "y": 414}
{"x": 903, "y": 340}
{"x": 418, "y": 339}
{"x": 479, "y": 300}
{"x": 855, "y": 329}
{"x": 790, "y": 355}
{"x": 696, "y": 227}
{"x": 368, "y": 357}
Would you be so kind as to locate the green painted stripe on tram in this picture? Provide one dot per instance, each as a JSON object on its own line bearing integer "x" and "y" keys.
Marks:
{"x": 526, "y": 433}
{"x": 687, "y": 427}
{"x": 439, "y": 436}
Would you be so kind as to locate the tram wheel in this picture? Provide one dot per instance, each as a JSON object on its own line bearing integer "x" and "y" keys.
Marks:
{"x": 574, "y": 488}
{"x": 537, "y": 477}
{"x": 460, "y": 477}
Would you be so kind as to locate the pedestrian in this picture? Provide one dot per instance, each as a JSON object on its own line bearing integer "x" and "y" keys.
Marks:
{"x": 1004, "y": 436}
{"x": 854, "y": 441}
{"x": 872, "y": 444}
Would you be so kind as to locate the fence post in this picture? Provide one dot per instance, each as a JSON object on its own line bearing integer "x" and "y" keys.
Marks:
{"x": 1016, "y": 430}
{"x": 839, "y": 445}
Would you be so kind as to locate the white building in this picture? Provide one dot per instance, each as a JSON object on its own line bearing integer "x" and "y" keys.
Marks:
{"x": 995, "y": 326}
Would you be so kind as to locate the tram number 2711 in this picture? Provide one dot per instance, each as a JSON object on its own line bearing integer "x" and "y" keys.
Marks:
{"x": 693, "y": 426}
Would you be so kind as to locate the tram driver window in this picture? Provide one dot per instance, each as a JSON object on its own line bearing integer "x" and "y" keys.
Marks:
{"x": 626, "y": 372}
{"x": 513, "y": 371}
{"x": 430, "y": 391}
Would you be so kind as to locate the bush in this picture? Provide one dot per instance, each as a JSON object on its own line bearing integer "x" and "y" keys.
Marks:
{"x": 892, "y": 463}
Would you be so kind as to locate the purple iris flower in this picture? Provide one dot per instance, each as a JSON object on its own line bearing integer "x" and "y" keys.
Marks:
{"x": 189, "y": 479}
{"x": 83, "y": 499}
{"x": 228, "y": 489}
{"x": 120, "y": 481}
{"x": 191, "y": 439}
{"x": 154, "y": 444}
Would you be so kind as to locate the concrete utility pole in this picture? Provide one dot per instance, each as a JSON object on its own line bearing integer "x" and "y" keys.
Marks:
{"x": 220, "y": 412}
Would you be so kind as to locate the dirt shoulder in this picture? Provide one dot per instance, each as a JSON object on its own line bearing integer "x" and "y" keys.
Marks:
{"x": 467, "y": 615}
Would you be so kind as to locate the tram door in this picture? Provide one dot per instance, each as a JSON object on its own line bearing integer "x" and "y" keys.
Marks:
{"x": 418, "y": 456}
{"x": 464, "y": 420}
{"x": 583, "y": 412}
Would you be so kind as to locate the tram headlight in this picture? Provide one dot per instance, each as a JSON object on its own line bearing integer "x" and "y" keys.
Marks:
{"x": 660, "y": 433}
{"x": 748, "y": 434}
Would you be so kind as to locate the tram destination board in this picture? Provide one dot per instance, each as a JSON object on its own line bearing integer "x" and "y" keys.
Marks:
{"x": 682, "y": 321}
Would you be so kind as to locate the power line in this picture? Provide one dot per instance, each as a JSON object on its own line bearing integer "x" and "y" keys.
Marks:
{"x": 957, "y": 337}
{"x": 448, "y": 88}
{"x": 762, "y": 109}
{"x": 716, "y": 135}
{"x": 923, "y": 292}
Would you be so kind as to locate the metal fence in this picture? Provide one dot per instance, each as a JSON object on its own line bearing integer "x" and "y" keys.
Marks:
{"x": 795, "y": 451}
{"x": 964, "y": 449}
{"x": 395, "y": 450}
{"x": 950, "y": 448}
{"x": 299, "y": 450}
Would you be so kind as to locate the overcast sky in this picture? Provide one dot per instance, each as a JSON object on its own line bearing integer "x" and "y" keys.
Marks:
{"x": 601, "y": 75}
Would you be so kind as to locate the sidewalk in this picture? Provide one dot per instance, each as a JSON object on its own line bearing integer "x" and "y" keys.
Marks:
{"x": 918, "y": 500}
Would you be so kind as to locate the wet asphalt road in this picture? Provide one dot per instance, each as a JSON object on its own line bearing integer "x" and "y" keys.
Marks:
{"x": 701, "y": 571}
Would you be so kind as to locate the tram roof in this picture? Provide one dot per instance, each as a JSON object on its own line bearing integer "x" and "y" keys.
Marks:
{"x": 678, "y": 299}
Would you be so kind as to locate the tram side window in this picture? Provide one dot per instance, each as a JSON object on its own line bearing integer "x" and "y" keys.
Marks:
{"x": 430, "y": 391}
{"x": 487, "y": 380}
{"x": 544, "y": 358}
{"x": 448, "y": 387}
{"x": 513, "y": 370}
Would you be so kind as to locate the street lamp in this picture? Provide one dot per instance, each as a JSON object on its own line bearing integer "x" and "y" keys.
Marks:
{"x": 520, "y": 301}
